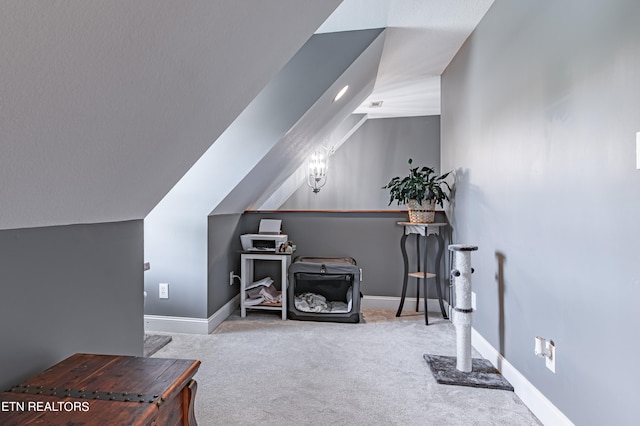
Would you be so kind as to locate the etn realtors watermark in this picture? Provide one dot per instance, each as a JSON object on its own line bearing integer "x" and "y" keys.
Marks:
{"x": 44, "y": 406}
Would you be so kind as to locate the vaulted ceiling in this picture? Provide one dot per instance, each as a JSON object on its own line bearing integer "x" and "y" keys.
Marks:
{"x": 422, "y": 38}
{"x": 107, "y": 105}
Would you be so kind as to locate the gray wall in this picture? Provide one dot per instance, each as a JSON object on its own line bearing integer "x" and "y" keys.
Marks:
{"x": 540, "y": 111}
{"x": 371, "y": 238}
{"x": 69, "y": 289}
{"x": 223, "y": 257}
{"x": 378, "y": 151}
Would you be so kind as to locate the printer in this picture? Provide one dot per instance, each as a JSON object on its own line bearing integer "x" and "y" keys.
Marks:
{"x": 268, "y": 237}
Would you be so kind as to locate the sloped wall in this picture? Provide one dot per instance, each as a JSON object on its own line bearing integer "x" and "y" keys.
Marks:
{"x": 106, "y": 104}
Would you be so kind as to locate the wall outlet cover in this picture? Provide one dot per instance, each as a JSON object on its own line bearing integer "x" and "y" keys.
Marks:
{"x": 163, "y": 291}
{"x": 551, "y": 360}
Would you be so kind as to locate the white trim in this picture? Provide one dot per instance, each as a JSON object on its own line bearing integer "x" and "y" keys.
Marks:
{"x": 223, "y": 313}
{"x": 539, "y": 405}
{"x": 169, "y": 324}
{"x": 392, "y": 303}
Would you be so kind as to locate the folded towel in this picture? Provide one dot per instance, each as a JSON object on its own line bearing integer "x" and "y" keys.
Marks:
{"x": 270, "y": 294}
{"x": 266, "y": 282}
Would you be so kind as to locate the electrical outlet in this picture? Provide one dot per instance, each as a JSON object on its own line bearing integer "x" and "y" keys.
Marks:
{"x": 473, "y": 300}
{"x": 163, "y": 291}
{"x": 550, "y": 361}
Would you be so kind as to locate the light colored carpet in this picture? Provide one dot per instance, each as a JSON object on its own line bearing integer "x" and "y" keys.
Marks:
{"x": 264, "y": 371}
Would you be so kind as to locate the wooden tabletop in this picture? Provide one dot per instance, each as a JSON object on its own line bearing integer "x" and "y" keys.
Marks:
{"x": 93, "y": 390}
{"x": 420, "y": 224}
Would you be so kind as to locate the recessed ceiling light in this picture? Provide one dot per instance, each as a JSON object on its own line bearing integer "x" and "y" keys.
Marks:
{"x": 375, "y": 104}
{"x": 341, "y": 93}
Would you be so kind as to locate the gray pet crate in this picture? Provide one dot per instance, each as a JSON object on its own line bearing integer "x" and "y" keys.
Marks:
{"x": 334, "y": 279}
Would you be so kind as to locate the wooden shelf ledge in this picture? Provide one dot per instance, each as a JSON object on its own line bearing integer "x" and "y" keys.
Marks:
{"x": 421, "y": 275}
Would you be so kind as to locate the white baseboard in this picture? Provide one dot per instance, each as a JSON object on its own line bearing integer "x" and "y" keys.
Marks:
{"x": 392, "y": 303}
{"x": 168, "y": 324}
{"x": 539, "y": 405}
{"x": 223, "y": 313}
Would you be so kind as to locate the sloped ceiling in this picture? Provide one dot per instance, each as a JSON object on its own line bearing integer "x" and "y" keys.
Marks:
{"x": 106, "y": 105}
{"x": 312, "y": 130}
{"x": 305, "y": 87}
{"x": 422, "y": 38}
{"x": 280, "y": 190}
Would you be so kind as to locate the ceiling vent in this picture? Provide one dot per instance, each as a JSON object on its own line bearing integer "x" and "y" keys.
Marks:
{"x": 375, "y": 104}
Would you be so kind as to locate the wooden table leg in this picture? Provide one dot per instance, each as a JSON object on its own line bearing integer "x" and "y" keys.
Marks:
{"x": 191, "y": 389}
{"x": 405, "y": 277}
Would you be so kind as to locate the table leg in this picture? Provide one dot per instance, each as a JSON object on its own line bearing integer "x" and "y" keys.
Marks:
{"x": 426, "y": 312}
{"x": 425, "y": 268}
{"x": 419, "y": 270}
{"x": 283, "y": 287}
{"x": 243, "y": 285}
{"x": 405, "y": 277}
{"x": 190, "y": 396}
{"x": 437, "y": 271}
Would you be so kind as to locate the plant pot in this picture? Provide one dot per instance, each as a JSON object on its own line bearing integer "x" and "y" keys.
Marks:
{"x": 424, "y": 212}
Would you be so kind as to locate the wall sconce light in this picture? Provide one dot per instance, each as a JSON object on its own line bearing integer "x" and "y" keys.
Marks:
{"x": 317, "y": 170}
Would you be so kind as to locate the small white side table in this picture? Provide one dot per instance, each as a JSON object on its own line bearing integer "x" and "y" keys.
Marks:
{"x": 246, "y": 277}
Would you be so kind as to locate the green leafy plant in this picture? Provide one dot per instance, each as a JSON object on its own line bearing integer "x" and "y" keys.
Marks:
{"x": 421, "y": 184}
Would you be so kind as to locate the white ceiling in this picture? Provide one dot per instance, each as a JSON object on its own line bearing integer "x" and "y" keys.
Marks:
{"x": 422, "y": 38}
{"x": 315, "y": 122}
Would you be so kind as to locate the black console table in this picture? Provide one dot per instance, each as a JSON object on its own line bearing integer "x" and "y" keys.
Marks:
{"x": 424, "y": 230}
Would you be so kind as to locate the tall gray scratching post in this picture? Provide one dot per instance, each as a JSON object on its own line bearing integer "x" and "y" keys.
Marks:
{"x": 463, "y": 370}
{"x": 462, "y": 312}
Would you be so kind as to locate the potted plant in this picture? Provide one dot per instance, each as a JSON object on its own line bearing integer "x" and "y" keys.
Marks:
{"x": 420, "y": 190}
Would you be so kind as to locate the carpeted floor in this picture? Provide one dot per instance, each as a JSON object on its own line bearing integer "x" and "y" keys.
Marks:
{"x": 264, "y": 371}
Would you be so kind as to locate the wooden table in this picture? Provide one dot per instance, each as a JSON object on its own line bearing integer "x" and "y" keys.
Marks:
{"x": 105, "y": 390}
